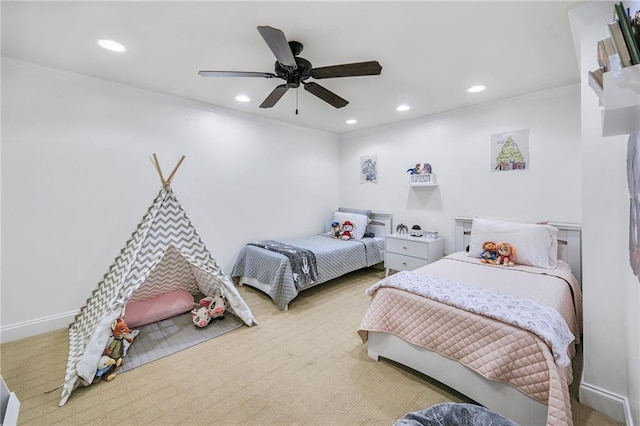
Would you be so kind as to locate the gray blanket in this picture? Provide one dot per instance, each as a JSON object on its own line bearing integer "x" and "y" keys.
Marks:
{"x": 303, "y": 261}
{"x": 458, "y": 414}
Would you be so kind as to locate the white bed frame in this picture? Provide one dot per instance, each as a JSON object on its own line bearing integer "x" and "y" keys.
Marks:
{"x": 380, "y": 225}
{"x": 496, "y": 396}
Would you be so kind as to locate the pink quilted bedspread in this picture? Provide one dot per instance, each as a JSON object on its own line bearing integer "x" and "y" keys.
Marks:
{"x": 496, "y": 350}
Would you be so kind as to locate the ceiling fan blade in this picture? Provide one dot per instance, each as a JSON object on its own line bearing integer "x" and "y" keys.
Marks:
{"x": 235, "y": 74}
{"x": 274, "y": 96}
{"x": 348, "y": 70}
{"x": 278, "y": 44}
{"x": 325, "y": 94}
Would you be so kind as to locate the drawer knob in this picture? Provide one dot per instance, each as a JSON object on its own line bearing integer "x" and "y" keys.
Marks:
{"x": 404, "y": 263}
{"x": 404, "y": 248}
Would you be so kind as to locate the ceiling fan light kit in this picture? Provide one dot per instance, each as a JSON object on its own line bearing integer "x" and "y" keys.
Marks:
{"x": 295, "y": 70}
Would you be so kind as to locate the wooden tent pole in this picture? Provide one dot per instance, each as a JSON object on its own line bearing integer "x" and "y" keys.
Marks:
{"x": 156, "y": 164}
{"x": 175, "y": 169}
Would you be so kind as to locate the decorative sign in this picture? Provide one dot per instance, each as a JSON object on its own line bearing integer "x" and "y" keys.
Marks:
{"x": 369, "y": 169}
{"x": 510, "y": 151}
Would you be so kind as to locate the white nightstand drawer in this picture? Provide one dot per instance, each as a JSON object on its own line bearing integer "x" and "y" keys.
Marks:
{"x": 399, "y": 262}
{"x": 407, "y": 247}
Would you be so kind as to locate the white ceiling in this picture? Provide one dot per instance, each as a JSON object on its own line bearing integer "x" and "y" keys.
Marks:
{"x": 430, "y": 52}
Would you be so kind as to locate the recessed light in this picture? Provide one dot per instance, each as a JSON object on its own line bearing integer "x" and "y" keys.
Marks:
{"x": 243, "y": 98}
{"x": 403, "y": 107}
{"x": 476, "y": 89}
{"x": 351, "y": 121}
{"x": 111, "y": 45}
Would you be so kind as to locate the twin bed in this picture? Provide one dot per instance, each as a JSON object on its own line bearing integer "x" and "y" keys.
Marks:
{"x": 506, "y": 364}
{"x": 503, "y": 336}
{"x": 272, "y": 272}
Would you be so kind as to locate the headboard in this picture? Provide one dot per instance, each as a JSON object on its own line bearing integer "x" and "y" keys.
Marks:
{"x": 380, "y": 224}
{"x": 569, "y": 242}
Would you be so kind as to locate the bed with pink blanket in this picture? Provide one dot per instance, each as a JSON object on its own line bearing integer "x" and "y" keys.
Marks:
{"x": 502, "y": 336}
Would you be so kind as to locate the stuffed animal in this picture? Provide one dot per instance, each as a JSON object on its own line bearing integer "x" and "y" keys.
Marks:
{"x": 347, "y": 227}
{"x": 211, "y": 307}
{"x": 201, "y": 316}
{"x": 106, "y": 369}
{"x": 335, "y": 230}
{"x": 489, "y": 253}
{"x": 121, "y": 338}
{"x": 506, "y": 252}
{"x": 216, "y": 303}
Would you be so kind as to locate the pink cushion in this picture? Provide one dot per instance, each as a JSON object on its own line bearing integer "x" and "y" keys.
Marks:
{"x": 158, "y": 308}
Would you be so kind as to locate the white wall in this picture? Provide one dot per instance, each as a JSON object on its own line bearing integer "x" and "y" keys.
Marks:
{"x": 611, "y": 381}
{"x": 458, "y": 146}
{"x": 77, "y": 179}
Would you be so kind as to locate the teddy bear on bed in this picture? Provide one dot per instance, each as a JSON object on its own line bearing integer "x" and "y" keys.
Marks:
{"x": 506, "y": 252}
{"x": 489, "y": 253}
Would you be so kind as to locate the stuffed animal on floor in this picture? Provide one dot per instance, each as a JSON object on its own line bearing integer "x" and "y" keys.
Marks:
{"x": 106, "y": 369}
{"x": 119, "y": 342}
{"x": 489, "y": 253}
{"x": 201, "y": 316}
{"x": 347, "y": 227}
{"x": 211, "y": 307}
{"x": 506, "y": 252}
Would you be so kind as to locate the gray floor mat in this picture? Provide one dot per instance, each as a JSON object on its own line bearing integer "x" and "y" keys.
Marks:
{"x": 166, "y": 337}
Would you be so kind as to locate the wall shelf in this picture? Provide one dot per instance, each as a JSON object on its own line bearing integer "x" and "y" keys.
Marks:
{"x": 621, "y": 102}
{"x": 425, "y": 179}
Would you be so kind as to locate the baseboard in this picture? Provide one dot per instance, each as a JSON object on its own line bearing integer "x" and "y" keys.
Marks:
{"x": 611, "y": 405}
{"x": 34, "y": 327}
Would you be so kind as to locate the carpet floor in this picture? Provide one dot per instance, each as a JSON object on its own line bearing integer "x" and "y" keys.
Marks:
{"x": 305, "y": 366}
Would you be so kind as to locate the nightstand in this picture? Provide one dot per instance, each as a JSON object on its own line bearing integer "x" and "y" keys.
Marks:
{"x": 404, "y": 253}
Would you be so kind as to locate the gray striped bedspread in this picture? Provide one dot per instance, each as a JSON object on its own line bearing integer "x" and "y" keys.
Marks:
{"x": 334, "y": 258}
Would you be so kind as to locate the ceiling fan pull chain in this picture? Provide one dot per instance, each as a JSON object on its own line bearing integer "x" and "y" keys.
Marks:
{"x": 297, "y": 100}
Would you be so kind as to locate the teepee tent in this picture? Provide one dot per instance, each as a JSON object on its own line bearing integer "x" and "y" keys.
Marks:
{"x": 164, "y": 253}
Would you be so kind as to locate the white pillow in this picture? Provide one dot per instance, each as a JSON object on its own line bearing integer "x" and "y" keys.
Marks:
{"x": 536, "y": 245}
{"x": 359, "y": 221}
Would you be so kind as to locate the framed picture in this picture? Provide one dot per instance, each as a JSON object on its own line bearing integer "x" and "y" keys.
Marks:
{"x": 369, "y": 169}
{"x": 510, "y": 151}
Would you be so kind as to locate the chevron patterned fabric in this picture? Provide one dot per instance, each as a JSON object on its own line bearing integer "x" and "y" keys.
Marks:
{"x": 164, "y": 253}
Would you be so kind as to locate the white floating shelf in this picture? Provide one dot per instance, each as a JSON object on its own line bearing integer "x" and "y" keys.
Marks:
{"x": 427, "y": 179}
{"x": 621, "y": 102}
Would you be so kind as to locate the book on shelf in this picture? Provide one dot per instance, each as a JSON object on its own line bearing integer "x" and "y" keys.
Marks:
{"x": 596, "y": 81}
{"x": 625, "y": 26}
{"x": 606, "y": 49}
{"x": 619, "y": 43}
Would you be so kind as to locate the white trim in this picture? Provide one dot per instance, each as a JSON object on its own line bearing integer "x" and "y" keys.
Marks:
{"x": 37, "y": 326}
{"x": 607, "y": 403}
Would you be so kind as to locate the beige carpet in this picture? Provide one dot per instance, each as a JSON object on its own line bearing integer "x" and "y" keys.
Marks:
{"x": 306, "y": 366}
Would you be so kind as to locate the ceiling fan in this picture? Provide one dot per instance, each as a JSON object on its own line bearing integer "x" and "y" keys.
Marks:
{"x": 295, "y": 70}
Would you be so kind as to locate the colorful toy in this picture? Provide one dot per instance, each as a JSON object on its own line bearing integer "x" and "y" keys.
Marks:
{"x": 347, "y": 227}
{"x": 121, "y": 338}
{"x": 505, "y": 252}
{"x": 106, "y": 369}
{"x": 335, "y": 230}
{"x": 489, "y": 253}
